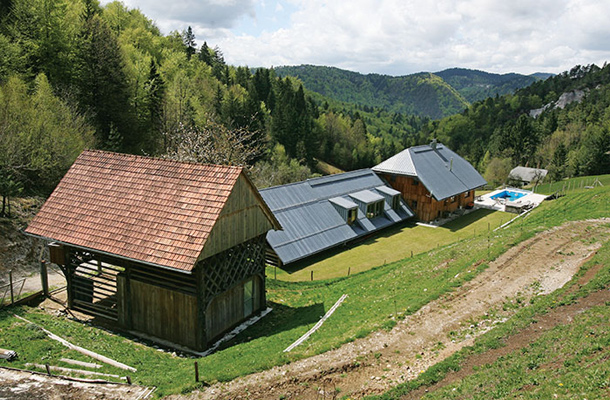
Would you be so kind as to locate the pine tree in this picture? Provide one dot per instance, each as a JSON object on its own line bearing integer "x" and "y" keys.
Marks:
{"x": 102, "y": 83}
{"x": 204, "y": 54}
{"x": 188, "y": 38}
{"x": 155, "y": 92}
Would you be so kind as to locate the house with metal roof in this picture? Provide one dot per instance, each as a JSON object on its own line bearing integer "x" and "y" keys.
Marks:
{"x": 167, "y": 250}
{"x": 322, "y": 213}
{"x": 432, "y": 178}
{"x": 528, "y": 175}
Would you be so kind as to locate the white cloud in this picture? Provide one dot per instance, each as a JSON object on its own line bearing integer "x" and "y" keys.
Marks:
{"x": 400, "y": 36}
{"x": 176, "y": 15}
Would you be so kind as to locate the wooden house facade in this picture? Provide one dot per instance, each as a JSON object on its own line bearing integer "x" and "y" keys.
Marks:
{"x": 168, "y": 250}
{"x": 433, "y": 180}
{"x": 421, "y": 201}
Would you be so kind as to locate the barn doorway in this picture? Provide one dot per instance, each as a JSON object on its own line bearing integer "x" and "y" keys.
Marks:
{"x": 93, "y": 282}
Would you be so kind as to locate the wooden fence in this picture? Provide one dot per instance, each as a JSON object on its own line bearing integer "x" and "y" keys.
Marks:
{"x": 12, "y": 292}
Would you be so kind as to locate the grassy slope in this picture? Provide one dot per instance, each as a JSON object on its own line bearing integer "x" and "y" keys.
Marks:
{"x": 568, "y": 361}
{"x": 571, "y": 361}
{"x": 376, "y": 298}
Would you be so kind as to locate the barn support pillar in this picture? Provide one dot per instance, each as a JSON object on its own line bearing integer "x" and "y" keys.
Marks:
{"x": 202, "y": 337}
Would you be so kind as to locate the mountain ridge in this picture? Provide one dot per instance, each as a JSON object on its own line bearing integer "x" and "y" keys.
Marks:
{"x": 427, "y": 94}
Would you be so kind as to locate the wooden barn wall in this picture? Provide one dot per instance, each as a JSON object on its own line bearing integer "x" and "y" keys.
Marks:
{"x": 241, "y": 219}
{"x": 427, "y": 208}
{"x": 227, "y": 309}
{"x": 160, "y": 312}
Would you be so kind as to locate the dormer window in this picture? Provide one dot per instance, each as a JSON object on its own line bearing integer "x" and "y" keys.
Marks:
{"x": 352, "y": 215}
{"x": 396, "y": 202}
{"x": 370, "y": 203}
{"x": 347, "y": 208}
{"x": 374, "y": 209}
{"x": 392, "y": 196}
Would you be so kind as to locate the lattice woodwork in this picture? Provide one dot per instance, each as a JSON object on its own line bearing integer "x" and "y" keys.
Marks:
{"x": 222, "y": 271}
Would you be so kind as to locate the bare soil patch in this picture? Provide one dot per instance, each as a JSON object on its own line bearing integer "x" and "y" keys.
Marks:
{"x": 384, "y": 359}
{"x": 18, "y": 385}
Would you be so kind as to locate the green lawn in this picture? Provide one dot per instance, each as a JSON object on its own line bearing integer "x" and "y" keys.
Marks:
{"x": 376, "y": 299}
{"x": 573, "y": 184}
{"x": 393, "y": 244}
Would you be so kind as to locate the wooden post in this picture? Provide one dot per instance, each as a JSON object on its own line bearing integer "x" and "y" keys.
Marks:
{"x": 44, "y": 280}
{"x": 349, "y": 270}
{"x": 312, "y": 275}
{"x": 275, "y": 273}
{"x": 411, "y": 253}
{"x": 10, "y": 282}
{"x": 128, "y": 379}
{"x": 48, "y": 369}
{"x": 196, "y": 372}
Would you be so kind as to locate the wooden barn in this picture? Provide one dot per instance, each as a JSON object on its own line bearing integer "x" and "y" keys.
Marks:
{"x": 433, "y": 179}
{"x": 167, "y": 250}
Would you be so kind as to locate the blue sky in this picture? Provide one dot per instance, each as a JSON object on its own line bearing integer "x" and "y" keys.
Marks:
{"x": 396, "y": 37}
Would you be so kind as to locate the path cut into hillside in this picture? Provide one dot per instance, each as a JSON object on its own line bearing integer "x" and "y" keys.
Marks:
{"x": 382, "y": 360}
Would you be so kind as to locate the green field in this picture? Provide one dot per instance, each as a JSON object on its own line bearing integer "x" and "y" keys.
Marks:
{"x": 388, "y": 246}
{"x": 376, "y": 299}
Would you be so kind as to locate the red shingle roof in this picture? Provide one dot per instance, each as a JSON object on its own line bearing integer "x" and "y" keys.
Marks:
{"x": 146, "y": 209}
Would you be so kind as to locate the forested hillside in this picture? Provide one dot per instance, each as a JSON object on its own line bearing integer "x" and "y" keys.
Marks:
{"x": 497, "y": 134}
{"x": 422, "y": 94}
{"x": 429, "y": 95}
{"x": 479, "y": 85}
{"x": 76, "y": 75}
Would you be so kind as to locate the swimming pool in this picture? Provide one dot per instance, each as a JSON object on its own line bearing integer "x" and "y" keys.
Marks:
{"x": 509, "y": 195}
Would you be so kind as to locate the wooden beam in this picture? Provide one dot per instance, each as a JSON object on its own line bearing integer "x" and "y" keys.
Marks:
{"x": 81, "y": 350}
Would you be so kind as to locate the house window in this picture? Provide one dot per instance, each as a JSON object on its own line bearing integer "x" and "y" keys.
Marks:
{"x": 414, "y": 204}
{"x": 352, "y": 215}
{"x": 415, "y": 183}
{"x": 453, "y": 199}
{"x": 374, "y": 209}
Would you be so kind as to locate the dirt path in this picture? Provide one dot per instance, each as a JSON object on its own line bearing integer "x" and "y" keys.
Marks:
{"x": 558, "y": 316}
{"x": 374, "y": 364}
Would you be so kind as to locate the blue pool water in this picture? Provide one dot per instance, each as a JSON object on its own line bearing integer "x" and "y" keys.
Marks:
{"x": 508, "y": 195}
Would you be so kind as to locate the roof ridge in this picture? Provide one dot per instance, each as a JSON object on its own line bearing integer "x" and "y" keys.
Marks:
{"x": 155, "y": 158}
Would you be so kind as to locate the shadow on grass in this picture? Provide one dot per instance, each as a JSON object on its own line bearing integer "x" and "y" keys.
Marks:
{"x": 282, "y": 318}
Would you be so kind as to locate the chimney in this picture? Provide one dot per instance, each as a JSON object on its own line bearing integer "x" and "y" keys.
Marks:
{"x": 433, "y": 144}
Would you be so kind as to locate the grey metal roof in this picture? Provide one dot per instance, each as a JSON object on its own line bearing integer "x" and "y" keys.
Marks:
{"x": 366, "y": 196}
{"x": 400, "y": 164}
{"x": 526, "y": 174}
{"x": 312, "y": 224}
{"x": 387, "y": 190}
{"x": 443, "y": 172}
{"x": 342, "y": 202}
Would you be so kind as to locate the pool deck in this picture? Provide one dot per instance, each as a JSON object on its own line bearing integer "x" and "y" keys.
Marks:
{"x": 530, "y": 200}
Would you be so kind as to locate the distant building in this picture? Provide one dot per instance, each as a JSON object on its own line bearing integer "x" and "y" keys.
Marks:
{"x": 528, "y": 175}
{"x": 432, "y": 179}
{"x": 321, "y": 213}
{"x": 167, "y": 250}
